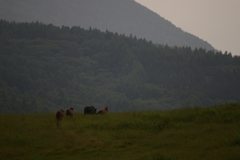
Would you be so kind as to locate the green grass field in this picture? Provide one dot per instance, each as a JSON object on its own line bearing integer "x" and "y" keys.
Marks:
{"x": 184, "y": 134}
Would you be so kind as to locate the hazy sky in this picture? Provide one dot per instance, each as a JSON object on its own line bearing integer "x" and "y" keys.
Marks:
{"x": 215, "y": 21}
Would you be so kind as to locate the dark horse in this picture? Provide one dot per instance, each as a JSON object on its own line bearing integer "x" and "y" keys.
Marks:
{"x": 90, "y": 110}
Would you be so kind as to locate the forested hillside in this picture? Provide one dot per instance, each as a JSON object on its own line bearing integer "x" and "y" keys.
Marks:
{"x": 121, "y": 16}
{"x": 44, "y": 68}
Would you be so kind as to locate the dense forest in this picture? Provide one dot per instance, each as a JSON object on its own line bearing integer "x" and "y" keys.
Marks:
{"x": 44, "y": 68}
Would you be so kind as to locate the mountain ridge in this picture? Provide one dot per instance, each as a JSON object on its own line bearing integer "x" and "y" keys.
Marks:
{"x": 125, "y": 17}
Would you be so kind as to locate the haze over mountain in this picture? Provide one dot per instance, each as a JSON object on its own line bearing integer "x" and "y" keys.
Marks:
{"x": 122, "y": 16}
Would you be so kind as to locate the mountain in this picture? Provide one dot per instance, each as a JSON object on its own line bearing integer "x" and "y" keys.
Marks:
{"x": 122, "y": 16}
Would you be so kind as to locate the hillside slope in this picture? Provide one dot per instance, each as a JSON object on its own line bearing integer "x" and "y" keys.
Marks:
{"x": 122, "y": 16}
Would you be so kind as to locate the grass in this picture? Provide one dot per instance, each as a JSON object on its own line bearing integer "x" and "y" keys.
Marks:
{"x": 189, "y": 133}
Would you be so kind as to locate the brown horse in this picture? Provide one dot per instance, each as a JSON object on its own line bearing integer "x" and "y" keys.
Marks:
{"x": 69, "y": 112}
{"x": 105, "y": 111}
{"x": 59, "y": 115}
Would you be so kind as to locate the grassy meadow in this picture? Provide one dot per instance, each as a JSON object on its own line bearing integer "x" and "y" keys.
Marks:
{"x": 189, "y": 133}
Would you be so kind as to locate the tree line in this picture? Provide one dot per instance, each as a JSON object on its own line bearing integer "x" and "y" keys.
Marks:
{"x": 44, "y": 67}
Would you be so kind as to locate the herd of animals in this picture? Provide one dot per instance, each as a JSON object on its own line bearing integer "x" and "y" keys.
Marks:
{"x": 87, "y": 110}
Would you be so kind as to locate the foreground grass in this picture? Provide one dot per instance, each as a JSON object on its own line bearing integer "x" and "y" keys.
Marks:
{"x": 190, "y": 133}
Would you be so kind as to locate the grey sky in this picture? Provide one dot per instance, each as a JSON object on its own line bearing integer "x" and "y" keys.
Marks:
{"x": 215, "y": 21}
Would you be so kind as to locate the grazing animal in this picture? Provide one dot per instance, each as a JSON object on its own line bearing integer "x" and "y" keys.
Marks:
{"x": 105, "y": 111}
{"x": 90, "y": 110}
{"x": 69, "y": 112}
{"x": 59, "y": 115}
